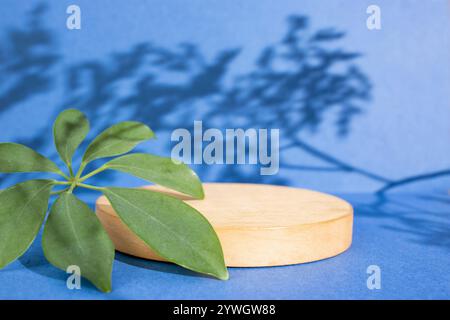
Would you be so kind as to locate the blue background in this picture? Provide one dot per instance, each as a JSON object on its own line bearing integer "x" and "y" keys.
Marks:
{"x": 363, "y": 114}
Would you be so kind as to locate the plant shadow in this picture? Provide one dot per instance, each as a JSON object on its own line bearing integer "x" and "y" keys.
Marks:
{"x": 296, "y": 84}
{"x": 158, "y": 266}
{"x": 415, "y": 218}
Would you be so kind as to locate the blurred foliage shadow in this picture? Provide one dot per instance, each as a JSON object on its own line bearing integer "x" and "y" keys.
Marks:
{"x": 294, "y": 85}
{"x": 422, "y": 219}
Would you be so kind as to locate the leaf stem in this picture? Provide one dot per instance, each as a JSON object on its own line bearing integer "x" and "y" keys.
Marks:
{"x": 62, "y": 174}
{"x": 87, "y": 186}
{"x": 62, "y": 183}
{"x": 92, "y": 173}
{"x": 74, "y": 181}
{"x": 69, "y": 166}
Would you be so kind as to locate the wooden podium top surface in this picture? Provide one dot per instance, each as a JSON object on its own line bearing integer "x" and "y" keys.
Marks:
{"x": 238, "y": 205}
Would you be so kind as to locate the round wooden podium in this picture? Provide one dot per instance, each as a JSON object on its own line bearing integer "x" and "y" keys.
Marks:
{"x": 258, "y": 225}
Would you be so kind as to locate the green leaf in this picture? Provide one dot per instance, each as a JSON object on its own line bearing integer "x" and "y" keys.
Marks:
{"x": 19, "y": 158}
{"x": 22, "y": 211}
{"x": 170, "y": 227}
{"x": 162, "y": 171}
{"x": 73, "y": 235}
{"x": 118, "y": 139}
{"x": 69, "y": 130}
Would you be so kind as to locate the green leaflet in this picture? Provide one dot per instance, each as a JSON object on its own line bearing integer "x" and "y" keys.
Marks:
{"x": 69, "y": 130}
{"x": 73, "y": 235}
{"x": 22, "y": 211}
{"x": 19, "y": 158}
{"x": 171, "y": 228}
{"x": 161, "y": 171}
{"x": 116, "y": 140}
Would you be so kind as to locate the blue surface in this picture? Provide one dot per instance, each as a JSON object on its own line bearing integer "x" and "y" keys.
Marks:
{"x": 407, "y": 236}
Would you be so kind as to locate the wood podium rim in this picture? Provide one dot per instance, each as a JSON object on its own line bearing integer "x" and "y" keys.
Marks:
{"x": 277, "y": 225}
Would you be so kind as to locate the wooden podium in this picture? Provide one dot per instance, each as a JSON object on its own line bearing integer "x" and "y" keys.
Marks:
{"x": 258, "y": 225}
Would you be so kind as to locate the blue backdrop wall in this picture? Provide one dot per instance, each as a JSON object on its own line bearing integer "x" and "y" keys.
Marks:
{"x": 358, "y": 110}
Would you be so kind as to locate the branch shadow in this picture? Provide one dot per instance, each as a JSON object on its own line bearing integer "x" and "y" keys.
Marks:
{"x": 297, "y": 82}
{"x": 419, "y": 219}
{"x": 27, "y": 60}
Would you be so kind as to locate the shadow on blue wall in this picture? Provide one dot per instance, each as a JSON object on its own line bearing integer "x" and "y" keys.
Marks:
{"x": 26, "y": 66}
{"x": 295, "y": 83}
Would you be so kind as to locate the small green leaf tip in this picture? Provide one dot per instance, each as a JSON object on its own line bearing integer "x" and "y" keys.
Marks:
{"x": 224, "y": 276}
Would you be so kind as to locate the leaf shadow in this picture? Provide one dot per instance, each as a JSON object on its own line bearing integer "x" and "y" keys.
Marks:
{"x": 296, "y": 83}
{"x": 415, "y": 218}
{"x": 158, "y": 266}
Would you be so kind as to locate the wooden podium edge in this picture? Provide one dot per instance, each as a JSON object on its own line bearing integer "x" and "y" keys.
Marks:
{"x": 270, "y": 246}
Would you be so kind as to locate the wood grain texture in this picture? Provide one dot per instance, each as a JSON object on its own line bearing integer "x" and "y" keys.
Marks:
{"x": 258, "y": 225}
